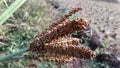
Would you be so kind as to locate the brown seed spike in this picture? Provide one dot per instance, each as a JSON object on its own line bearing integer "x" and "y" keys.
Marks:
{"x": 74, "y": 10}
{"x": 70, "y": 50}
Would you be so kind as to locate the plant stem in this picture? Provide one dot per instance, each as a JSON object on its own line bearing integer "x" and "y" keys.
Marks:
{"x": 6, "y": 3}
{"x": 7, "y": 57}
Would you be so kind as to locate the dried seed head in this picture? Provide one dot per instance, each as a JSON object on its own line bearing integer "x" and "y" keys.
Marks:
{"x": 71, "y": 50}
{"x": 50, "y": 50}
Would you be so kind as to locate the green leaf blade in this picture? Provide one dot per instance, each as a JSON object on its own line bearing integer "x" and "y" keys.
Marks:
{"x": 11, "y": 9}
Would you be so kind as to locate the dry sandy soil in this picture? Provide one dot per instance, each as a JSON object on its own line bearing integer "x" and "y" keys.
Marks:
{"x": 104, "y": 16}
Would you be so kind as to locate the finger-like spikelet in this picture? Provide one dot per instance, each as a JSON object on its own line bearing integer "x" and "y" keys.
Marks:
{"x": 74, "y": 10}
{"x": 70, "y": 50}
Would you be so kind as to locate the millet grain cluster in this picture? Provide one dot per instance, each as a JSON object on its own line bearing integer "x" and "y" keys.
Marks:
{"x": 43, "y": 44}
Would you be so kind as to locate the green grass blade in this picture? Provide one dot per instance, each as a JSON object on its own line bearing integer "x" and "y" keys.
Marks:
{"x": 1, "y": 1}
{"x": 7, "y": 57}
{"x": 11, "y": 9}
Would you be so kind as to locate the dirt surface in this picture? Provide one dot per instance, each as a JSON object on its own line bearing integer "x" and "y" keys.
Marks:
{"x": 104, "y": 16}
